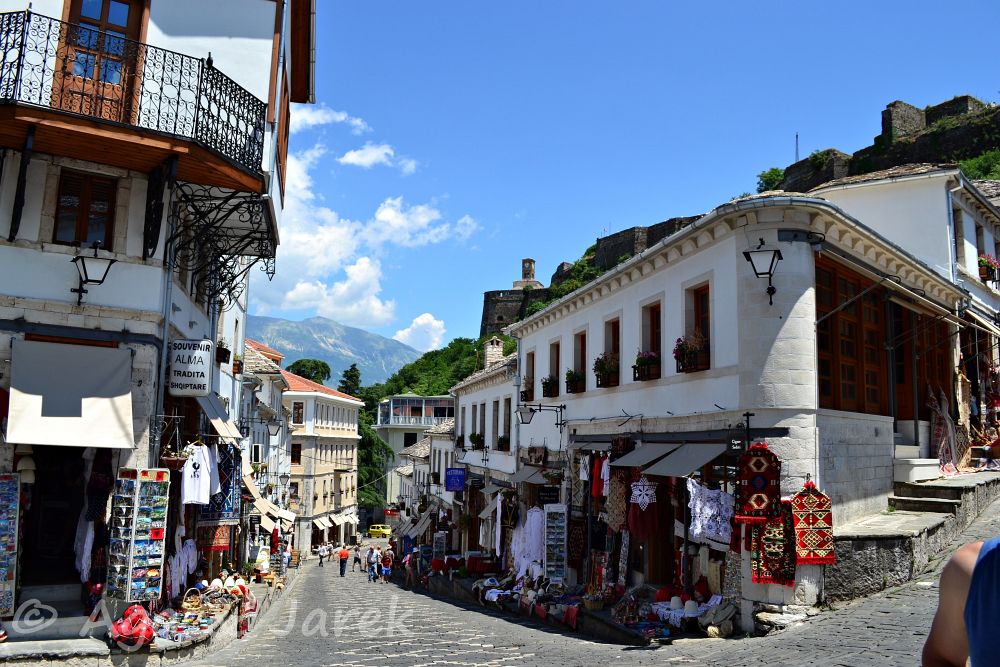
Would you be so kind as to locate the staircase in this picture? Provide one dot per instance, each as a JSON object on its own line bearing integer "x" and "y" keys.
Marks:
{"x": 908, "y": 466}
{"x": 913, "y": 497}
{"x": 56, "y": 613}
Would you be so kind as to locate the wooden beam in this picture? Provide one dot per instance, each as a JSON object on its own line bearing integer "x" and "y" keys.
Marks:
{"x": 22, "y": 177}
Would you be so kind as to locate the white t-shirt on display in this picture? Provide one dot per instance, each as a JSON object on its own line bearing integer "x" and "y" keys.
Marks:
{"x": 196, "y": 485}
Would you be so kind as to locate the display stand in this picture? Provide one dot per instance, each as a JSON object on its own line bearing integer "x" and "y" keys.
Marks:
{"x": 10, "y": 502}
{"x": 440, "y": 545}
{"x": 555, "y": 543}
{"x": 138, "y": 534}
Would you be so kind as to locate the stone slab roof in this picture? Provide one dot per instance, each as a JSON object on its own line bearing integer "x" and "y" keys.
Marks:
{"x": 901, "y": 171}
{"x": 444, "y": 428}
{"x": 990, "y": 189}
{"x": 256, "y": 363}
{"x": 420, "y": 450}
{"x": 404, "y": 471}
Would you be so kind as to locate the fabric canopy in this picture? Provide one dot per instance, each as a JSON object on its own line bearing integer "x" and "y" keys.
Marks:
{"x": 353, "y": 518}
{"x": 686, "y": 459}
{"x": 319, "y": 524}
{"x": 425, "y": 520}
{"x": 266, "y": 523}
{"x": 984, "y": 322}
{"x": 218, "y": 415}
{"x": 286, "y": 526}
{"x": 590, "y": 446}
{"x": 492, "y": 488}
{"x": 523, "y": 474}
{"x": 338, "y": 519}
{"x": 488, "y": 512}
{"x": 644, "y": 455}
{"x": 285, "y": 515}
{"x": 70, "y": 395}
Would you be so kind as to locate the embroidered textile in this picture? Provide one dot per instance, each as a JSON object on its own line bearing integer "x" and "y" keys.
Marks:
{"x": 711, "y": 515}
{"x": 772, "y": 557}
{"x": 643, "y": 493}
{"x": 643, "y": 524}
{"x": 617, "y": 505}
{"x": 759, "y": 485}
{"x": 576, "y": 542}
{"x": 596, "y": 483}
{"x": 621, "y": 445}
{"x": 623, "y": 560}
{"x": 223, "y": 508}
{"x": 813, "y": 514}
{"x": 732, "y": 581}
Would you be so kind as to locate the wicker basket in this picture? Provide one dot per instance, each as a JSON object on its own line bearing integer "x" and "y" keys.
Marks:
{"x": 593, "y": 605}
{"x": 192, "y": 600}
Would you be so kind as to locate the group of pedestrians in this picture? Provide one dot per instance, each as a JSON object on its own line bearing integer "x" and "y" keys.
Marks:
{"x": 329, "y": 551}
{"x": 379, "y": 563}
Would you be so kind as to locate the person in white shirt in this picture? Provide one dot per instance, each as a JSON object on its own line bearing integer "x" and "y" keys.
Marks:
{"x": 323, "y": 551}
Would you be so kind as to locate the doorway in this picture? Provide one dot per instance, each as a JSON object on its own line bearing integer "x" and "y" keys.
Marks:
{"x": 50, "y": 520}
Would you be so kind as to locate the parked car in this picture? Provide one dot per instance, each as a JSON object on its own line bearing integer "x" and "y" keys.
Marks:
{"x": 379, "y": 530}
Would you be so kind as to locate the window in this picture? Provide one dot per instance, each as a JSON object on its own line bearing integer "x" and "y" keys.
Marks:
{"x": 702, "y": 312}
{"x": 85, "y": 210}
{"x": 462, "y": 412}
{"x": 980, "y": 239}
{"x": 475, "y": 417}
{"x": 296, "y": 453}
{"x": 285, "y": 116}
{"x": 255, "y": 453}
{"x": 482, "y": 418}
{"x": 293, "y": 489}
{"x": 496, "y": 423}
{"x": 298, "y": 412}
{"x": 529, "y": 375}
{"x": 651, "y": 328}
{"x": 409, "y": 439}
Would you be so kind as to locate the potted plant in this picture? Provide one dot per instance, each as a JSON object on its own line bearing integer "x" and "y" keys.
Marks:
{"x": 576, "y": 381}
{"x": 503, "y": 443}
{"x": 477, "y": 440}
{"x": 691, "y": 353}
{"x": 647, "y": 366}
{"x": 528, "y": 393}
{"x": 988, "y": 265}
{"x": 460, "y": 441}
{"x": 222, "y": 352}
{"x": 550, "y": 386}
{"x": 237, "y": 364}
{"x": 606, "y": 369}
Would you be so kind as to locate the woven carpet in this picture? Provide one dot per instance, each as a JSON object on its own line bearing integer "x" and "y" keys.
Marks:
{"x": 813, "y": 514}
{"x": 772, "y": 558}
{"x": 759, "y": 490}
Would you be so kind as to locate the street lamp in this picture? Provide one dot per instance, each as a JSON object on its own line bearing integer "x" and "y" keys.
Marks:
{"x": 763, "y": 261}
{"x": 283, "y": 478}
{"x": 274, "y": 427}
{"x": 526, "y": 412}
{"x": 89, "y": 269}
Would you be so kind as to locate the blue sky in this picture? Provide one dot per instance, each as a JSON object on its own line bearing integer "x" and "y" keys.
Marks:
{"x": 451, "y": 139}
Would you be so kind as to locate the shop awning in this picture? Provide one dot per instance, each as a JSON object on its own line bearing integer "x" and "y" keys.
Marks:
{"x": 422, "y": 524}
{"x": 523, "y": 474}
{"x": 70, "y": 395}
{"x": 984, "y": 322}
{"x": 286, "y": 526}
{"x": 285, "y": 515}
{"x": 492, "y": 488}
{"x": 595, "y": 446}
{"x": 353, "y": 519}
{"x": 537, "y": 478}
{"x": 490, "y": 507}
{"x": 319, "y": 524}
{"x": 338, "y": 519}
{"x": 686, "y": 459}
{"x": 266, "y": 523}
{"x": 217, "y": 415}
{"x": 643, "y": 455}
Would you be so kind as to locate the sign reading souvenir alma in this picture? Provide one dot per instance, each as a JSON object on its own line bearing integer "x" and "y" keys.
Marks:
{"x": 190, "y": 367}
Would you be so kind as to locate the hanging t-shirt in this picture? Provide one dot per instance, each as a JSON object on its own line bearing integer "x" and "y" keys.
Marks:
{"x": 606, "y": 477}
{"x": 585, "y": 468}
{"x": 196, "y": 485}
{"x": 596, "y": 483}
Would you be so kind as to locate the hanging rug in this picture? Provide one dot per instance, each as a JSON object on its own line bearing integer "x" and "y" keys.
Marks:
{"x": 643, "y": 493}
{"x": 772, "y": 557}
{"x": 759, "y": 490}
{"x": 617, "y": 504}
{"x": 813, "y": 515}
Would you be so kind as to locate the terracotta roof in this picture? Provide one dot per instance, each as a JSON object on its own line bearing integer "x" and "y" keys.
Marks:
{"x": 447, "y": 426}
{"x": 299, "y": 383}
{"x": 901, "y": 171}
{"x": 421, "y": 450}
{"x": 990, "y": 189}
{"x": 256, "y": 363}
{"x": 266, "y": 350}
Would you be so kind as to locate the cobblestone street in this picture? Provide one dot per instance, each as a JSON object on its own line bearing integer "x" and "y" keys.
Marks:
{"x": 326, "y": 620}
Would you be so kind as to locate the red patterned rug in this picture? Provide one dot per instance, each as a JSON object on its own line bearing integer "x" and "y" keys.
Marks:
{"x": 759, "y": 485}
{"x": 813, "y": 514}
{"x": 772, "y": 558}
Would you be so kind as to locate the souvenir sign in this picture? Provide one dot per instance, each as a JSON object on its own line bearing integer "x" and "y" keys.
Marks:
{"x": 10, "y": 496}
{"x": 548, "y": 495}
{"x": 191, "y": 364}
{"x": 138, "y": 534}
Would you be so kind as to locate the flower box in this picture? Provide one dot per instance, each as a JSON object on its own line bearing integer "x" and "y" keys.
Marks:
{"x": 460, "y": 441}
{"x": 550, "y": 387}
{"x": 644, "y": 372}
{"x": 222, "y": 355}
{"x": 528, "y": 395}
{"x": 607, "y": 379}
{"x": 576, "y": 386}
{"x": 694, "y": 362}
{"x": 503, "y": 443}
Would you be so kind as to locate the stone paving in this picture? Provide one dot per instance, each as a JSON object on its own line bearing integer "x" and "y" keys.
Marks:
{"x": 328, "y": 620}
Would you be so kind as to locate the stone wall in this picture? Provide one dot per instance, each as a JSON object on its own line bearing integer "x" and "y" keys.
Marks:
{"x": 855, "y": 452}
{"x": 803, "y": 175}
{"x": 626, "y": 243}
{"x": 503, "y": 307}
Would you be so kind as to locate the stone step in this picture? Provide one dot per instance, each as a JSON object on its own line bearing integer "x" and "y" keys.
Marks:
{"x": 72, "y": 651}
{"x": 915, "y": 470}
{"x": 46, "y": 626}
{"x": 917, "y": 490}
{"x": 940, "y": 505}
{"x": 901, "y": 439}
{"x": 907, "y": 452}
{"x": 51, "y": 593}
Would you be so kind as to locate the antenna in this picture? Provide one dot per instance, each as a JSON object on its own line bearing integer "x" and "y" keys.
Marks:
{"x": 796, "y": 146}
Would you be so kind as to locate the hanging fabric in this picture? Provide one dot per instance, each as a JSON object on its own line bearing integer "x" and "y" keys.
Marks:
{"x": 606, "y": 477}
{"x": 813, "y": 515}
{"x": 623, "y": 559}
{"x": 643, "y": 510}
{"x": 759, "y": 485}
{"x": 772, "y": 557}
{"x": 617, "y": 505}
{"x": 596, "y": 483}
{"x": 711, "y": 516}
{"x": 576, "y": 542}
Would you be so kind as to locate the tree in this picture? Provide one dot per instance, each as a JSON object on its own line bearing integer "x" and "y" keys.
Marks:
{"x": 311, "y": 369}
{"x": 373, "y": 454}
{"x": 770, "y": 179}
{"x": 985, "y": 166}
{"x": 350, "y": 381}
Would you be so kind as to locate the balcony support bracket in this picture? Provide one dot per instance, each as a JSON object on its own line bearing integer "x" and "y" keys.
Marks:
{"x": 22, "y": 178}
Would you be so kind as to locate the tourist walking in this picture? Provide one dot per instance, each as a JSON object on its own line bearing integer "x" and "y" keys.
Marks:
{"x": 357, "y": 558}
{"x": 344, "y": 555}
{"x": 370, "y": 563}
{"x": 322, "y": 553}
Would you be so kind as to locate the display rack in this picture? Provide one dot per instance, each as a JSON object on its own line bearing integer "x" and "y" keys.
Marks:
{"x": 10, "y": 503}
{"x": 555, "y": 543}
{"x": 138, "y": 534}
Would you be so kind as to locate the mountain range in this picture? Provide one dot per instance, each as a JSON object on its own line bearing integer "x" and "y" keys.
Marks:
{"x": 338, "y": 345}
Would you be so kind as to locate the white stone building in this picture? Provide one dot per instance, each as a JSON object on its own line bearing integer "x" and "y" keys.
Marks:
{"x": 144, "y": 141}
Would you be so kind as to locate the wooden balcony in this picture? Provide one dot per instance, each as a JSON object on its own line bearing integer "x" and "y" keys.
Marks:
{"x": 70, "y": 90}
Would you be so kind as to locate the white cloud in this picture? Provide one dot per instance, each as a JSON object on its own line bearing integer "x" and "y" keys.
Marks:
{"x": 368, "y": 156}
{"x": 424, "y": 333}
{"x": 307, "y": 116}
{"x": 407, "y": 165}
{"x": 329, "y": 264}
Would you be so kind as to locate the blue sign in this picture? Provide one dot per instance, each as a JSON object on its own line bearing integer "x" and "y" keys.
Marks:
{"x": 454, "y": 479}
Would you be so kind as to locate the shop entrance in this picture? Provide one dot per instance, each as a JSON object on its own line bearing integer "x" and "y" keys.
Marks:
{"x": 50, "y": 522}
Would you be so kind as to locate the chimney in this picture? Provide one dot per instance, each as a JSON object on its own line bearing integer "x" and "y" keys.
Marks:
{"x": 493, "y": 352}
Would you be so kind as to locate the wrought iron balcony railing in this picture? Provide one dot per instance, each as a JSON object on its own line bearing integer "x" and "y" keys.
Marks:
{"x": 45, "y": 62}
